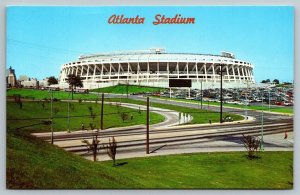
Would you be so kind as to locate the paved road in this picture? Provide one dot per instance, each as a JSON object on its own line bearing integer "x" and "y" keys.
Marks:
{"x": 185, "y": 139}
{"x": 255, "y": 114}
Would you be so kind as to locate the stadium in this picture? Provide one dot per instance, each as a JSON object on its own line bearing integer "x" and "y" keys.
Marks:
{"x": 154, "y": 67}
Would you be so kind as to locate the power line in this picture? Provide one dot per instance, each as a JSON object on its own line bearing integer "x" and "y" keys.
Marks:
{"x": 27, "y": 44}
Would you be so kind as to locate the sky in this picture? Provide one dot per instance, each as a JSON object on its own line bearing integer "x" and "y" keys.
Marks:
{"x": 41, "y": 39}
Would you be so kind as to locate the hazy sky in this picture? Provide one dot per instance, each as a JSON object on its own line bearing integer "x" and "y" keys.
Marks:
{"x": 41, "y": 39}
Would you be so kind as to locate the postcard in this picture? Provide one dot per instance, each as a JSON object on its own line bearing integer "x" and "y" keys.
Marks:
{"x": 149, "y": 97}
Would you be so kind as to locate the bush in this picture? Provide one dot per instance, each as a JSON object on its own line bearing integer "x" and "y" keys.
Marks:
{"x": 251, "y": 143}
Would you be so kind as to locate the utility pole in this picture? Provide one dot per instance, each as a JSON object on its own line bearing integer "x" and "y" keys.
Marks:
{"x": 147, "y": 127}
{"x": 221, "y": 93}
{"x": 102, "y": 103}
{"x": 201, "y": 94}
{"x": 262, "y": 125}
{"x": 52, "y": 140}
{"x": 246, "y": 102}
{"x": 127, "y": 89}
{"x": 269, "y": 100}
{"x": 68, "y": 117}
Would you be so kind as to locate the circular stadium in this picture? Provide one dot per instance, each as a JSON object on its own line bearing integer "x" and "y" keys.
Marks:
{"x": 155, "y": 67}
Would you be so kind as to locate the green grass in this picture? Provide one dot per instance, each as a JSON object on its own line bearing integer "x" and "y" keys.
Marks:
{"x": 42, "y": 94}
{"x": 34, "y": 164}
{"x": 39, "y": 94}
{"x": 80, "y": 114}
{"x": 122, "y": 89}
{"x": 199, "y": 116}
{"x": 288, "y": 110}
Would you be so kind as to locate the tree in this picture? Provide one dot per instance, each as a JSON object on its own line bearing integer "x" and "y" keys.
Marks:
{"x": 276, "y": 81}
{"x": 74, "y": 81}
{"x": 251, "y": 143}
{"x": 111, "y": 149}
{"x": 263, "y": 81}
{"x": 93, "y": 146}
{"x": 52, "y": 80}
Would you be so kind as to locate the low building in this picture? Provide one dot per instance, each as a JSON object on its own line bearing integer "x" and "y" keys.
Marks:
{"x": 11, "y": 80}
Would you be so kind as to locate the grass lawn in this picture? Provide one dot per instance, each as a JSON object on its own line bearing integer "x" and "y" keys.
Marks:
{"x": 122, "y": 89}
{"x": 34, "y": 164}
{"x": 42, "y": 94}
{"x": 79, "y": 114}
{"x": 199, "y": 116}
{"x": 288, "y": 110}
{"x": 39, "y": 94}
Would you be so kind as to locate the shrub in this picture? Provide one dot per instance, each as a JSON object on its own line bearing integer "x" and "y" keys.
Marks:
{"x": 251, "y": 143}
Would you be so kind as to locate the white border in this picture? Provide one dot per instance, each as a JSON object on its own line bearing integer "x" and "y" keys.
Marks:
{"x": 4, "y": 3}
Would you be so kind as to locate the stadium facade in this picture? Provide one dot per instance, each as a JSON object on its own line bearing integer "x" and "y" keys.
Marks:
{"x": 155, "y": 67}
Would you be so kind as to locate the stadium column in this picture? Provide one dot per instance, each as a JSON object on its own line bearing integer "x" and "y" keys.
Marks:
{"x": 157, "y": 74}
{"x": 239, "y": 74}
{"x": 119, "y": 69}
{"x": 187, "y": 69}
{"x": 87, "y": 73}
{"x": 243, "y": 73}
{"x": 148, "y": 70}
{"x": 168, "y": 69}
{"x": 247, "y": 73}
{"x": 214, "y": 73}
{"x": 227, "y": 71}
{"x": 76, "y": 70}
{"x": 196, "y": 65}
{"x": 81, "y": 71}
{"x": 233, "y": 72}
{"x": 177, "y": 67}
{"x": 94, "y": 73}
{"x": 128, "y": 66}
{"x": 138, "y": 70}
{"x": 102, "y": 69}
{"x": 109, "y": 76}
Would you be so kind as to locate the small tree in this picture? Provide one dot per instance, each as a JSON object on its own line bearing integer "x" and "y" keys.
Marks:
{"x": 276, "y": 81}
{"x": 55, "y": 110}
{"x": 93, "y": 146}
{"x": 92, "y": 126}
{"x": 43, "y": 105}
{"x": 124, "y": 116}
{"x": 52, "y": 80}
{"x": 111, "y": 149}
{"x": 251, "y": 143}
{"x": 74, "y": 81}
{"x": 72, "y": 107}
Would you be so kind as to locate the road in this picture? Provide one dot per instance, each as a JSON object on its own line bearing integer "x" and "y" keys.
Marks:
{"x": 187, "y": 138}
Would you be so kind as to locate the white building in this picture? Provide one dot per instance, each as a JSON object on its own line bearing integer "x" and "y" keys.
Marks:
{"x": 155, "y": 67}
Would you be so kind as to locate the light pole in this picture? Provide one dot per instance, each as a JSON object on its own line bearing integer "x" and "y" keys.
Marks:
{"x": 246, "y": 102}
{"x": 201, "y": 94}
{"x": 68, "y": 117}
{"x": 221, "y": 93}
{"x": 51, "y": 116}
{"x": 269, "y": 100}
{"x": 262, "y": 124}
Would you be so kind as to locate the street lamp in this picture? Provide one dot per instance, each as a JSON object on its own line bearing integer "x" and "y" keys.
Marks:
{"x": 246, "y": 101}
{"x": 51, "y": 115}
{"x": 221, "y": 92}
{"x": 262, "y": 124}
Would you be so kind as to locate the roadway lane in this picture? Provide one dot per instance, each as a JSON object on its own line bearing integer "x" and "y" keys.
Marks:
{"x": 252, "y": 113}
